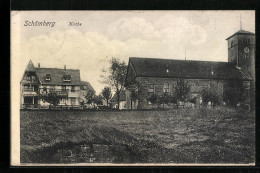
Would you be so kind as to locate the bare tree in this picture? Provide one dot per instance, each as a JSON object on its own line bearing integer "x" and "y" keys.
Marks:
{"x": 106, "y": 94}
{"x": 137, "y": 92}
{"x": 182, "y": 90}
{"x": 116, "y": 77}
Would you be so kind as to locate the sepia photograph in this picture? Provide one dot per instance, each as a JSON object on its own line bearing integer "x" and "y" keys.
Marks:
{"x": 129, "y": 88}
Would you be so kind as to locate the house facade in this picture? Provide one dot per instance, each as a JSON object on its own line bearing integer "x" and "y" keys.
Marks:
{"x": 39, "y": 81}
{"x": 122, "y": 100}
{"x": 85, "y": 87}
{"x": 158, "y": 76}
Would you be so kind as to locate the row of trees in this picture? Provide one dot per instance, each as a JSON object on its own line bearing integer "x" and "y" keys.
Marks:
{"x": 94, "y": 99}
{"x": 115, "y": 77}
{"x": 182, "y": 91}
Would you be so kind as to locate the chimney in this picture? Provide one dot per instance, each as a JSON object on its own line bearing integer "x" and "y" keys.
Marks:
{"x": 39, "y": 65}
{"x": 64, "y": 67}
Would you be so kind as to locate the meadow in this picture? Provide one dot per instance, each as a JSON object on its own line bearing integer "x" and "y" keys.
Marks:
{"x": 206, "y": 135}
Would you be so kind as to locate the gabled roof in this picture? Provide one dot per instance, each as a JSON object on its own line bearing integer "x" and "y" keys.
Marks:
{"x": 57, "y": 76}
{"x": 85, "y": 83}
{"x": 122, "y": 96}
{"x": 30, "y": 66}
{"x": 241, "y": 32}
{"x": 168, "y": 68}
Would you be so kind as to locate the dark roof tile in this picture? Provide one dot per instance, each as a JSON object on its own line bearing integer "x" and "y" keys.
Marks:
{"x": 57, "y": 76}
{"x": 241, "y": 32}
{"x": 168, "y": 68}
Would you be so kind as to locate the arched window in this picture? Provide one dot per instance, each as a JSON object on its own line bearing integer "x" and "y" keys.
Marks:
{"x": 166, "y": 88}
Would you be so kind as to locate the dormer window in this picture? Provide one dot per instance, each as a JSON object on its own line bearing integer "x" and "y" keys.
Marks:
{"x": 66, "y": 78}
{"x": 48, "y": 77}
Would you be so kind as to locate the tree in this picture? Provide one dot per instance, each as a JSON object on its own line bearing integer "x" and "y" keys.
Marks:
{"x": 153, "y": 99}
{"x": 137, "y": 91}
{"x": 116, "y": 77}
{"x": 181, "y": 90}
{"x": 236, "y": 92}
{"x": 90, "y": 96}
{"x": 173, "y": 99}
{"x": 210, "y": 96}
{"x": 51, "y": 97}
{"x": 106, "y": 94}
{"x": 164, "y": 99}
{"x": 98, "y": 100}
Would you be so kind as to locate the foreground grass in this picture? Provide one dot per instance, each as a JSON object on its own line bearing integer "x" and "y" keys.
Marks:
{"x": 217, "y": 135}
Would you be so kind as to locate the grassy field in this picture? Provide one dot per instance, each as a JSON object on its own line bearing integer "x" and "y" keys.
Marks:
{"x": 216, "y": 135}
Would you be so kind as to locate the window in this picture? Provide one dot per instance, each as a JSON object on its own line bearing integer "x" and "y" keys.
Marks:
{"x": 44, "y": 90}
{"x": 28, "y": 78}
{"x": 84, "y": 87}
{"x": 246, "y": 40}
{"x": 63, "y": 101}
{"x": 33, "y": 78}
{"x": 63, "y": 88}
{"x": 72, "y": 88}
{"x": 73, "y": 101}
{"x": 151, "y": 88}
{"x": 166, "y": 88}
{"x": 48, "y": 77}
{"x": 66, "y": 78}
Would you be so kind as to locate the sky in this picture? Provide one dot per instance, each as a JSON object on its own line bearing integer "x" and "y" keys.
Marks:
{"x": 122, "y": 34}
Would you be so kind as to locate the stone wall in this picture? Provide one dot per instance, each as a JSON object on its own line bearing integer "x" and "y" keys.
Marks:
{"x": 160, "y": 85}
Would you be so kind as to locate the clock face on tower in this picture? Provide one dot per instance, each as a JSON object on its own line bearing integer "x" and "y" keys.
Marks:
{"x": 246, "y": 50}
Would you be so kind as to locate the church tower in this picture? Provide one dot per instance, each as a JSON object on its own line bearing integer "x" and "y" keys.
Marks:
{"x": 241, "y": 51}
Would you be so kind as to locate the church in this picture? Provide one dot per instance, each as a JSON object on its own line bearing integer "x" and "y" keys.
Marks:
{"x": 159, "y": 76}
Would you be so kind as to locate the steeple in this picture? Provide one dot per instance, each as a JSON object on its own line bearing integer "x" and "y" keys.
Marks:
{"x": 240, "y": 22}
{"x": 30, "y": 66}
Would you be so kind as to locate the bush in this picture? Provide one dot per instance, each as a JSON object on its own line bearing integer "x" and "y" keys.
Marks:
{"x": 209, "y": 96}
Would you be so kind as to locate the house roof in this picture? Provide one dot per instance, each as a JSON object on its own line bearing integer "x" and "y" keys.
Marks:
{"x": 57, "y": 76}
{"x": 122, "y": 96}
{"x": 241, "y": 32}
{"x": 85, "y": 83}
{"x": 168, "y": 68}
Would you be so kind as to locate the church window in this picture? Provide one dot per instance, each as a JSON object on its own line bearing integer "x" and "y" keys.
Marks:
{"x": 151, "y": 88}
{"x": 166, "y": 88}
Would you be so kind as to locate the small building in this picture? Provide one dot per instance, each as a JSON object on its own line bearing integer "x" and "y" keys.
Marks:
{"x": 122, "y": 100}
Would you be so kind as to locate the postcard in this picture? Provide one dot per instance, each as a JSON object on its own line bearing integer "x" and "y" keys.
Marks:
{"x": 133, "y": 88}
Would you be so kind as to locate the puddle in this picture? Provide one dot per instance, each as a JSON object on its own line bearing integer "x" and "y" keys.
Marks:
{"x": 83, "y": 153}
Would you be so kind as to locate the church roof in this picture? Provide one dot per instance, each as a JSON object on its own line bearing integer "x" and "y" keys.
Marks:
{"x": 241, "y": 32}
{"x": 168, "y": 68}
